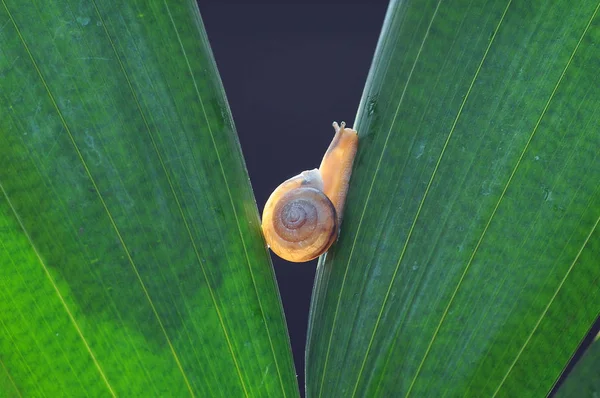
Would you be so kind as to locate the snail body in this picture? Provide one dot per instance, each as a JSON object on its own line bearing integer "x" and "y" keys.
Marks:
{"x": 302, "y": 217}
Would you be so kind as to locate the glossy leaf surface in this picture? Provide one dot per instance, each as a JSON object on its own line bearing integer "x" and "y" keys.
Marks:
{"x": 131, "y": 259}
{"x": 469, "y": 253}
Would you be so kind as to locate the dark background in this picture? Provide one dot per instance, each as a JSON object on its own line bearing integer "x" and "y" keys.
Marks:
{"x": 289, "y": 70}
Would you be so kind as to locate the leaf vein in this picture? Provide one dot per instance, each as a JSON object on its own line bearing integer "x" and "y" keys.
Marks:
{"x": 539, "y": 321}
{"x": 56, "y": 289}
{"x": 184, "y": 52}
{"x": 8, "y": 373}
{"x": 467, "y": 267}
{"x": 400, "y": 101}
{"x": 66, "y": 307}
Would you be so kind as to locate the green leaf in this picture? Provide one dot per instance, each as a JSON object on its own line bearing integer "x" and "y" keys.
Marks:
{"x": 584, "y": 379}
{"x": 131, "y": 258}
{"x": 467, "y": 263}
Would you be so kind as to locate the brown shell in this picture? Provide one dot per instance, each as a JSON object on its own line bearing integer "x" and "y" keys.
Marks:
{"x": 299, "y": 221}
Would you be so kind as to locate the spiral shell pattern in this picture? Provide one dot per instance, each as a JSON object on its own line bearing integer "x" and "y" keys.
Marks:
{"x": 300, "y": 223}
{"x": 302, "y": 217}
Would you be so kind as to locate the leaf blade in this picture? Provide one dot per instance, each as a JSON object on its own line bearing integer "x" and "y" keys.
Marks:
{"x": 467, "y": 69}
{"x": 147, "y": 218}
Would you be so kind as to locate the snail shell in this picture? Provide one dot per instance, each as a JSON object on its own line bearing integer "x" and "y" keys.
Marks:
{"x": 301, "y": 218}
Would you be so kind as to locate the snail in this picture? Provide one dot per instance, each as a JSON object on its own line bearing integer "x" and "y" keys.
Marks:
{"x": 302, "y": 217}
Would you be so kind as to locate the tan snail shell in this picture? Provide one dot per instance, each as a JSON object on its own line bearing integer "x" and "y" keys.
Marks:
{"x": 302, "y": 217}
